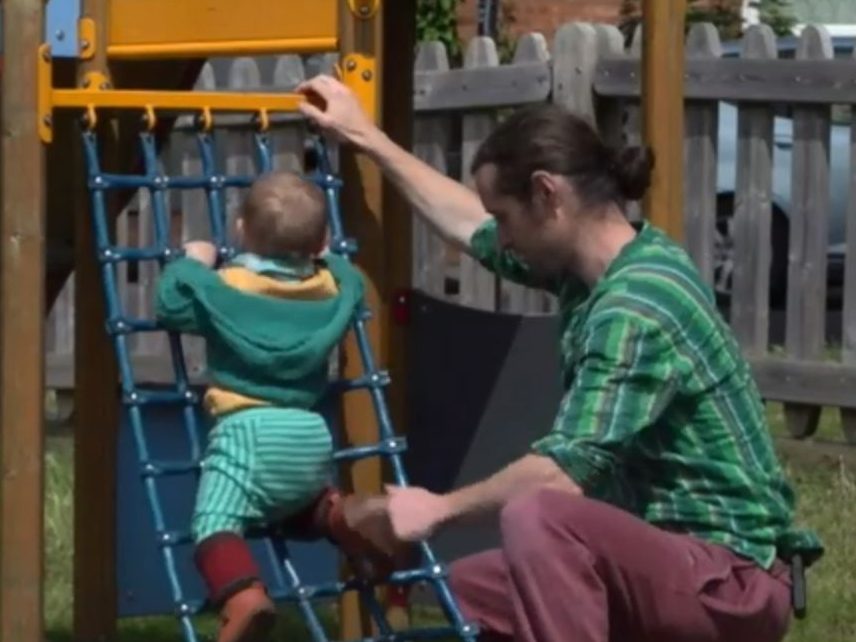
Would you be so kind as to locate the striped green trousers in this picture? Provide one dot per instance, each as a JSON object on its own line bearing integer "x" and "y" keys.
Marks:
{"x": 261, "y": 465}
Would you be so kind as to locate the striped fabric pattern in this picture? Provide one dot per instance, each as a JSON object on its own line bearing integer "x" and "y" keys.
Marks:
{"x": 261, "y": 465}
{"x": 660, "y": 413}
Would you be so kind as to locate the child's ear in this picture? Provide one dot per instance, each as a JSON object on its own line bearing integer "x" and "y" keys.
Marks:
{"x": 325, "y": 243}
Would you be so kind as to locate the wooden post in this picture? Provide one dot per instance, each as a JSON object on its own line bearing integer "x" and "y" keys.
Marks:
{"x": 96, "y": 401}
{"x": 362, "y": 199}
{"x": 399, "y": 35}
{"x": 663, "y": 110}
{"x": 21, "y": 330}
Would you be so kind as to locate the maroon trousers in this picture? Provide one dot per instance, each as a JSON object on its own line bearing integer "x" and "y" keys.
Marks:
{"x": 572, "y": 569}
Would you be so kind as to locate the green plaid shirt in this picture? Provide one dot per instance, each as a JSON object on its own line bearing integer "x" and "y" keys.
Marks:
{"x": 660, "y": 414}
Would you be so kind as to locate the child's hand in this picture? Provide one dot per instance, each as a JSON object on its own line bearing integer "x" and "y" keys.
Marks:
{"x": 201, "y": 251}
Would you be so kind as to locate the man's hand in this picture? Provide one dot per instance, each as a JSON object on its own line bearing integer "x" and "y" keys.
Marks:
{"x": 342, "y": 117}
{"x": 202, "y": 251}
{"x": 416, "y": 513}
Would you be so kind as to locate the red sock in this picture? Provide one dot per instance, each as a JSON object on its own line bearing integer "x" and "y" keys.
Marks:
{"x": 397, "y": 595}
{"x": 226, "y": 564}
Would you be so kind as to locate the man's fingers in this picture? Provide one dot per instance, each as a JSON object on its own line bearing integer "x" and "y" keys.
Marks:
{"x": 313, "y": 113}
{"x": 312, "y": 84}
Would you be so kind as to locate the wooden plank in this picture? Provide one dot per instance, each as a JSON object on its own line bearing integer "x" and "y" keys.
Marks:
{"x": 431, "y": 135}
{"x": 736, "y": 79}
{"x": 237, "y": 155}
{"x": 149, "y": 368}
{"x": 702, "y": 127}
{"x": 516, "y": 298}
{"x": 813, "y": 453}
{"x": 806, "y": 305}
{"x": 609, "y": 111}
{"x": 287, "y": 139}
{"x": 575, "y": 56}
{"x": 479, "y": 287}
{"x": 820, "y": 383}
{"x": 663, "y": 111}
{"x": 399, "y": 41}
{"x": 22, "y": 311}
{"x": 484, "y": 88}
{"x": 750, "y": 316}
{"x": 96, "y": 399}
{"x": 848, "y": 330}
{"x": 632, "y": 115}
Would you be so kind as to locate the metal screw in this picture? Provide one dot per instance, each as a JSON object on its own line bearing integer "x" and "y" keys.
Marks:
{"x": 351, "y": 64}
{"x": 48, "y": 121}
{"x": 60, "y": 35}
{"x": 391, "y": 444}
{"x": 367, "y": 75}
{"x": 84, "y": 44}
{"x": 364, "y": 10}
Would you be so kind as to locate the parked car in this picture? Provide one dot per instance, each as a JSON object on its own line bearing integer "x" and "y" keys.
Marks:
{"x": 839, "y": 153}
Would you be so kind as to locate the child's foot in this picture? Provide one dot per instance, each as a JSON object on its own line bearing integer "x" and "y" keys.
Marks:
{"x": 247, "y": 616}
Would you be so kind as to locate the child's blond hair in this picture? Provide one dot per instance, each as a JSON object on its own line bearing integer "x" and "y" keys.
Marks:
{"x": 284, "y": 214}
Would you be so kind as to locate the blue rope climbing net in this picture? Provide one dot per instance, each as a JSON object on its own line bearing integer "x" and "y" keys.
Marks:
{"x": 287, "y": 585}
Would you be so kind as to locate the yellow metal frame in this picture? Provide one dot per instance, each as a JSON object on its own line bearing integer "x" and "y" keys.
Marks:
{"x": 97, "y": 94}
{"x": 359, "y": 72}
{"x": 147, "y": 29}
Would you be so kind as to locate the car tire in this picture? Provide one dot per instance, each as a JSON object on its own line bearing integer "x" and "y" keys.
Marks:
{"x": 723, "y": 253}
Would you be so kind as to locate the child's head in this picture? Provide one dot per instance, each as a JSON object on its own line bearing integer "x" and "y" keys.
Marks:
{"x": 283, "y": 214}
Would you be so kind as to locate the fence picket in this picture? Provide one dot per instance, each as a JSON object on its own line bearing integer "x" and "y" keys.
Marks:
{"x": 806, "y": 306}
{"x": 751, "y": 231}
{"x": 478, "y": 287}
{"x": 431, "y": 138}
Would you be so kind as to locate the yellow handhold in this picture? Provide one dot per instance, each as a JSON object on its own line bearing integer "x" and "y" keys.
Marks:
{"x": 149, "y": 118}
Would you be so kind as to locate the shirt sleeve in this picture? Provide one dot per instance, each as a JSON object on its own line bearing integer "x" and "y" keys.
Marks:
{"x": 176, "y": 296}
{"x": 625, "y": 378}
{"x": 484, "y": 246}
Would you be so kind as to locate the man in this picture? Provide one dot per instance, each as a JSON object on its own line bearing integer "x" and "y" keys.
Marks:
{"x": 655, "y": 508}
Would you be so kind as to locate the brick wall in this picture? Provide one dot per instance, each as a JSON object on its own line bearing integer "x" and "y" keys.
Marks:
{"x": 544, "y": 16}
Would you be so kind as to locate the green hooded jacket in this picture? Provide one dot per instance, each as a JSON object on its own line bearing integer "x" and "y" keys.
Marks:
{"x": 269, "y": 348}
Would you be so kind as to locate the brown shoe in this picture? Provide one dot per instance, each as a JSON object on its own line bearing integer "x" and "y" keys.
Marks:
{"x": 247, "y": 616}
{"x": 360, "y": 527}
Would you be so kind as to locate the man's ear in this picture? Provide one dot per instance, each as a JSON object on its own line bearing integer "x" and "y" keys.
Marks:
{"x": 545, "y": 190}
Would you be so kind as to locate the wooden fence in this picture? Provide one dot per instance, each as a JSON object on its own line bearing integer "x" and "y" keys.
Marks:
{"x": 590, "y": 69}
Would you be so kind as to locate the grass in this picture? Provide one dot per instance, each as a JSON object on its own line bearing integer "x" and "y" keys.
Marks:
{"x": 826, "y": 502}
